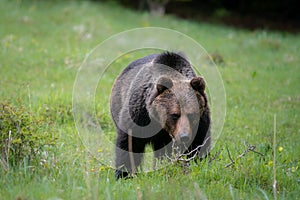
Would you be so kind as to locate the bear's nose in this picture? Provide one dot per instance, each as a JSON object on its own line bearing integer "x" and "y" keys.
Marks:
{"x": 184, "y": 137}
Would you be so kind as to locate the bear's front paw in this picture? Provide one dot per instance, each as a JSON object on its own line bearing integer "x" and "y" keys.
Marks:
{"x": 121, "y": 174}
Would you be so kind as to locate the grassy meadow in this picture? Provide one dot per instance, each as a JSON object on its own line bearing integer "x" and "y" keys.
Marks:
{"x": 43, "y": 44}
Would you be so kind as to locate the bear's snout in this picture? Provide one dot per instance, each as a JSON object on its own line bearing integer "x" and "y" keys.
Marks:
{"x": 183, "y": 134}
{"x": 184, "y": 138}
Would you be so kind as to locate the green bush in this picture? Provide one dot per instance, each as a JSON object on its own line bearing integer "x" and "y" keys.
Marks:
{"x": 23, "y": 137}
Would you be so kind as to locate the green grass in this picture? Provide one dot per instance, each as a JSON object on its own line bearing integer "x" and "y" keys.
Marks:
{"x": 43, "y": 44}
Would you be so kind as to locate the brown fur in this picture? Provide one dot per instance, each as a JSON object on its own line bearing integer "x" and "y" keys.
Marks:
{"x": 158, "y": 104}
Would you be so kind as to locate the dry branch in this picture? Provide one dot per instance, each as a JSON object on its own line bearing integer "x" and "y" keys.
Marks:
{"x": 184, "y": 157}
{"x": 215, "y": 156}
{"x": 247, "y": 150}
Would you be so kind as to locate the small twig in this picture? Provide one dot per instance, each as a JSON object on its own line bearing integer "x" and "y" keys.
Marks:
{"x": 215, "y": 156}
{"x": 261, "y": 154}
{"x": 274, "y": 160}
{"x": 180, "y": 157}
{"x": 4, "y": 161}
{"x": 196, "y": 149}
{"x": 229, "y": 155}
{"x": 248, "y": 148}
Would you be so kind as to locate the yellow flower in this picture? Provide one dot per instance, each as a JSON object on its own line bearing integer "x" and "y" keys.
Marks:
{"x": 293, "y": 169}
{"x": 101, "y": 168}
{"x": 270, "y": 163}
{"x": 99, "y": 150}
{"x": 280, "y": 149}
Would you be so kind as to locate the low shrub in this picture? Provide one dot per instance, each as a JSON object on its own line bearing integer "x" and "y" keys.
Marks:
{"x": 23, "y": 137}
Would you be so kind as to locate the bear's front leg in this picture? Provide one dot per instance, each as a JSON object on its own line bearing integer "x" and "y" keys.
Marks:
{"x": 162, "y": 147}
{"x": 129, "y": 153}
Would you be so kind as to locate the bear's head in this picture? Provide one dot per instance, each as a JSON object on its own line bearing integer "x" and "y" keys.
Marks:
{"x": 178, "y": 105}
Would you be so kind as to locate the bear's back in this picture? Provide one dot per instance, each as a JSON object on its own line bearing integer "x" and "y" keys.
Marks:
{"x": 139, "y": 63}
{"x": 176, "y": 61}
{"x": 138, "y": 78}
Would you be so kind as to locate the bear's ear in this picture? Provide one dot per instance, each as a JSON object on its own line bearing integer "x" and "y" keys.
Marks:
{"x": 198, "y": 84}
{"x": 163, "y": 83}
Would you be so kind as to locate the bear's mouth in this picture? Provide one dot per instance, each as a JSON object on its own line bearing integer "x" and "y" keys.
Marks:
{"x": 178, "y": 146}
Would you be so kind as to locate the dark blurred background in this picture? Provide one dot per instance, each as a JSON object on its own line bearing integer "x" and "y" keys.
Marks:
{"x": 250, "y": 14}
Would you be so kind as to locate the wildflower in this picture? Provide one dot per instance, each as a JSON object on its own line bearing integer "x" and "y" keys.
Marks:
{"x": 270, "y": 163}
{"x": 293, "y": 169}
{"x": 280, "y": 149}
{"x": 102, "y": 168}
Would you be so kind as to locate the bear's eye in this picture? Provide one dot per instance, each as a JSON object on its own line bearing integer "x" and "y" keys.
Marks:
{"x": 175, "y": 117}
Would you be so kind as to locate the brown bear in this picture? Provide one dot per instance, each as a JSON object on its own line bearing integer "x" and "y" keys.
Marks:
{"x": 158, "y": 100}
